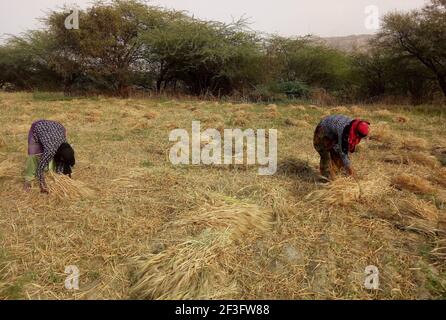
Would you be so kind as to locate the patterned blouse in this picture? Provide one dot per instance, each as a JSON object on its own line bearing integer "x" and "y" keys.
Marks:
{"x": 50, "y": 135}
{"x": 334, "y": 128}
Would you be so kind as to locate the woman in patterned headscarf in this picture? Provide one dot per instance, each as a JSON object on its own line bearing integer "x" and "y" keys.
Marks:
{"x": 47, "y": 149}
{"x": 335, "y": 137}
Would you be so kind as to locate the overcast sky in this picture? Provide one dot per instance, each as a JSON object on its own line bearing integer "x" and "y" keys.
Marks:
{"x": 285, "y": 17}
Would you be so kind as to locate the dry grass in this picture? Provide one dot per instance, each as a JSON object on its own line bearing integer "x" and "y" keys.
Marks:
{"x": 271, "y": 111}
{"x": 188, "y": 270}
{"x": 240, "y": 219}
{"x": 383, "y": 113}
{"x": 439, "y": 177}
{"x": 401, "y": 118}
{"x": 382, "y": 133}
{"x": 2, "y": 142}
{"x": 414, "y": 143}
{"x": 358, "y": 111}
{"x": 345, "y": 191}
{"x": 9, "y": 169}
{"x": 200, "y": 266}
{"x": 410, "y": 158}
{"x": 339, "y": 109}
{"x": 413, "y": 184}
{"x": 300, "y": 108}
{"x": 139, "y": 227}
{"x": 296, "y": 123}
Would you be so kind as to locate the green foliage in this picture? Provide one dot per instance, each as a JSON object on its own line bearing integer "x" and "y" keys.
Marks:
{"x": 294, "y": 89}
{"x": 418, "y": 36}
{"x": 125, "y": 46}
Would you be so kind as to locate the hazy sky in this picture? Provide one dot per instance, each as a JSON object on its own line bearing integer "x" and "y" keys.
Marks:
{"x": 285, "y": 17}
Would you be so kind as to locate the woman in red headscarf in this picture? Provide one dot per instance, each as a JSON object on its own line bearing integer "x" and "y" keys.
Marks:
{"x": 335, "y": 137}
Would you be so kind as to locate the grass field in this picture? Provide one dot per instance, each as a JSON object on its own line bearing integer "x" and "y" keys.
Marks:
{"x": 149, "y": 230}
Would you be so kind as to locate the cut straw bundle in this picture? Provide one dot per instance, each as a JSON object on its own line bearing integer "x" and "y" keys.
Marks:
{"x": 419, "y": 209}
{"x": 339, "y": 109}
{"x": 440, "y": 250}
{"x": 344, "y": 191}
{"x": 297, "y": 123}
{"x": 439, "y": 177}
{"x": 198, "y": 267}
{"x": 64, "y": 187}
{"x": 240, "y": 219}
{"x": 423, "y": 159}
{"x": 383, "y": 134}
{"x": 414, "y": 143}
{"x": 358, "y": 111}
{"x": 413, "y": 184}
{"x": 188, "y": 270}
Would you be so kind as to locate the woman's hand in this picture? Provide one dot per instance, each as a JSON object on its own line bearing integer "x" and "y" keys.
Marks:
{"x": 351, "y": 172}
{"x": 27, "y": 186}
{"x": 44, "y": 190}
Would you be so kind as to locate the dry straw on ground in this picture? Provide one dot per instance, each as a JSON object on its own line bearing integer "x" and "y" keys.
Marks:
{"x": 383, "y": 113}
{"x": 382, "y": 133}
{"x": 339, "y": 109}
{"x": 413, "y": 184}
{"x": 300, "y": 108}
{"x": 203, "y": 232}
{"x": 439, "y": 177}
{"x": 189, "y": 270}
{"x": 414, "y": 143}
{"x": 271, "y": 111}
{"x": 423, "y": 159}
{"x": 9, "y": 169}
{"x": 344, "y": 191}
{"x": 63, "y": 187}
{"x": 241, "y": 219}
{"x": 2, "y": 142}
{"x": 296, "y": 123}
{"x": 198, "y": 268}
{"x": 401, "y": 118}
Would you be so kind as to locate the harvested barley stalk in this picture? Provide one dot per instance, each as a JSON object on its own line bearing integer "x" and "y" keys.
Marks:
{"x": 64, "y": 187}
{"x": 383, "y": 113}
{"x": 358, "y": 110}
{"x": 439, "y": 177}
{"x": 188, "y": 270}
{"x": 414, "y": 143}
{"x": 344, "y": 191}
{"x": 241, "y": 219}
{"x": 413, "y": 184}
{"x": 339, "y": 109}
{"x": 419, "y": 209}
{"x": 413, "y": 158}
{"x": 9, "y": 169}
{"x": 2, "y": 142}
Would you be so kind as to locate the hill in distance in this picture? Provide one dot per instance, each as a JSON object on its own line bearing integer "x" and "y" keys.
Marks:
{"x": 348, "y": 43}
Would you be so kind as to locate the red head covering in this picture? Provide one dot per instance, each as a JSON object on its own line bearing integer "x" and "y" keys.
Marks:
{"x": 358, "y": 130}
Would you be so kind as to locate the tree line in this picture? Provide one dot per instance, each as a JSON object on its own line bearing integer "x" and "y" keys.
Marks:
{"x": 122, "y": 47}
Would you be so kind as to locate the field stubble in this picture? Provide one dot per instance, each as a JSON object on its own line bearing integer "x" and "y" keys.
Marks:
{"x": 138, "y": 227}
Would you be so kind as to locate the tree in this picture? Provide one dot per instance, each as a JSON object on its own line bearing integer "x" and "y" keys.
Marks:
{"x": 420, "y": 35}
{"x": 306, "y": 61}
{"x": 25, "y": 61}
{"x": 204, "y": 57}
{"x": 106, "y": 48}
